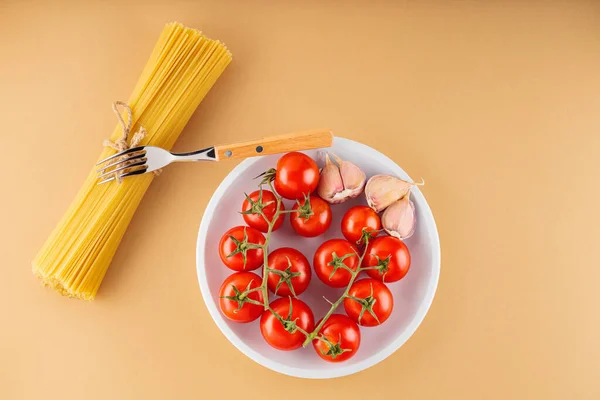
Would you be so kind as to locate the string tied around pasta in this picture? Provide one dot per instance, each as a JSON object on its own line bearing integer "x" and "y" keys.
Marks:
{"x": 124, "y": 143}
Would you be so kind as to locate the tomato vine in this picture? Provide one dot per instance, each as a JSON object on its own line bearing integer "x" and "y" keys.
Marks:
{"x": 287, "y": 322}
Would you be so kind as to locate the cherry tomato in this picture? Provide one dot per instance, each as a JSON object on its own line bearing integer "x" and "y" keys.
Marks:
{"x": 312, "y": 218}
{"x": 235, "y": 248}
{"x": 328, "y": 266}
{"x": 340, "y": 339}
{"x": 296, "y": 175}
{"x": 294, "y": 268}
{"x": 357, "y": 219}
{"x": 391, "y": 254}
{"x": 266, "y": 202}
{"x": 370, "y": 304}
{"x": 287, "y": 337}
{"x": 232, "y": 298}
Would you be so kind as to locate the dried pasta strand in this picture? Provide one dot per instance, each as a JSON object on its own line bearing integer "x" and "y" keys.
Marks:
{"x": 182, "y": 68}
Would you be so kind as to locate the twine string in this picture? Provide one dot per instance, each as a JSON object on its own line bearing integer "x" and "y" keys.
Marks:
{"x": 124, "y": 143}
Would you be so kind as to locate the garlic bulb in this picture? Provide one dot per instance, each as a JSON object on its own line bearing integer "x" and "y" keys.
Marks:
{"x": 338, "y": 184}
{"x": 399, "y": 219}
{"x": 383, "y": 190}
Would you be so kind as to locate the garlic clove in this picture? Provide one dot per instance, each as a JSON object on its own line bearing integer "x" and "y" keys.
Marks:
{"x": 383, "y": 190}
{"x": 330, "y": 181}
{"x": 354, "y": 178}
{"x": 338, "y": 184}
{"x": 399, "y": 219}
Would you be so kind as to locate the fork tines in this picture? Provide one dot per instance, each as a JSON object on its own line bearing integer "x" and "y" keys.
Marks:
{"x": 126, "y": 163}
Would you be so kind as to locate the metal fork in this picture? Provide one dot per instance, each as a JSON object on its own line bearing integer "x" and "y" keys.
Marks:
{"x": 144, "y": 159}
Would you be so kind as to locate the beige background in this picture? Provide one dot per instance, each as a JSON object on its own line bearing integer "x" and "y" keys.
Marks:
{"x": 497, "y": 105}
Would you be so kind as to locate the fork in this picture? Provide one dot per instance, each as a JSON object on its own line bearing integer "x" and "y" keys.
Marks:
{"x": 143, "y": 159}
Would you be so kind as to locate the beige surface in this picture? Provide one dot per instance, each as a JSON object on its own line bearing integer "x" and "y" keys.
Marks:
{"x": 496, "y": 105}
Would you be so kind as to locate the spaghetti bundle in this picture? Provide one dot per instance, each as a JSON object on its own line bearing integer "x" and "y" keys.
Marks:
{"x": 181, "y": 70}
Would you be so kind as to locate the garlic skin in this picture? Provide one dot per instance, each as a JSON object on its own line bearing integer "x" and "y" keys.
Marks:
{"x": 383, "y": 190}
{"x": 338, "y": 184}
{"x": 399, "y": 219}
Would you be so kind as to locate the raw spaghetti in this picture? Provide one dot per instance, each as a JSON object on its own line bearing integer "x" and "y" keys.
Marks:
{"x": 182, "y": 68}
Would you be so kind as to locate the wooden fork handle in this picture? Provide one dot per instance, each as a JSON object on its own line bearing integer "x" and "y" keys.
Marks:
{"x": 304, "y": 140}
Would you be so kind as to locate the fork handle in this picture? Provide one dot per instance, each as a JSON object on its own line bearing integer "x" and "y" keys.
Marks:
{"x": 304, "y": 140}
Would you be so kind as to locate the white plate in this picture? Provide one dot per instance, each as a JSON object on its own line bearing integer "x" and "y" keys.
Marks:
{"x": 412, "y": 295}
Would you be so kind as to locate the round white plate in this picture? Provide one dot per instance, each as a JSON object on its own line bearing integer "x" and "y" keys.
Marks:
{"x": 412, "y": 295}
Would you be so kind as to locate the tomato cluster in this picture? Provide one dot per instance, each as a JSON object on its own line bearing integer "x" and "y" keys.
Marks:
{"x": 287, "y": 322}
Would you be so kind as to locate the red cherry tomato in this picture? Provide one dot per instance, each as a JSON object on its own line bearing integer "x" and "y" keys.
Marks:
{"x": 235, "y": 252}
{"x": 391, "y": 254}
{"x": 357, "y": 219}
{"x": 328, "y": 266}
{"x": 287, "y": 337}
{"x": 296, "y": 175}
{"x": 370, "y": 304}
{"x": 339, "y": 339}
{"x": 311, "y": 219}
{"x": 267, "y": 203}
{"x": 232, "y": 301}
{"x": 295, "y": 269}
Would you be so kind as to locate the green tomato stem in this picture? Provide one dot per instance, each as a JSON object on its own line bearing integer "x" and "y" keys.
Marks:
{"x": 288, "y": 211}
{"x": 310, "y": 336}
{"x": 336, "y": 304}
